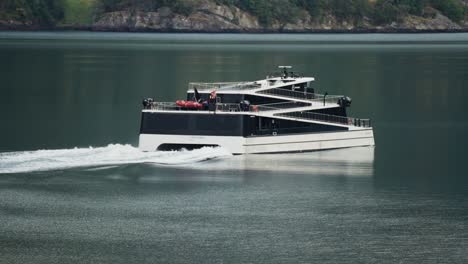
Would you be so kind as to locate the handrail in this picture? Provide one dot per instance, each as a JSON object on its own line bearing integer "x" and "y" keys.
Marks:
{"x": 170, "y": 106}
{"x": 223, "y": 86}
{"x": 282, "y": 75}
{"x": 286, "y": 105}
{"x": 277, "y": 106}
{"x": 230, "y": 107}
{"x": 289, "y": 93}
{"x": 352, "y": 121}
{"x": 163, "y": 106}
{"x": 316, "y": 98}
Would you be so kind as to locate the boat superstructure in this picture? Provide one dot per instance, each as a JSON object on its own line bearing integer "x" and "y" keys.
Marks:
{"x": 281, "y": 113}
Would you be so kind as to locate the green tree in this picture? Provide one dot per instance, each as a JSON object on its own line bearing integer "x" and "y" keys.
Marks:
{"x": 314, "y": 7}
{"x": 414, "y": 7}
{"x": 453, "y": 9}
{"x": 385, "y": 12}
{"x": 185, "y": 7}
{"x": 41, "y": 12}
{"x": 109, "y": 5}
{"x": 348, "y": 10}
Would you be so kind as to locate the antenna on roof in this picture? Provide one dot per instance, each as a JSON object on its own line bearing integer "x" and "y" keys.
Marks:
{"x": 285, "y": 70}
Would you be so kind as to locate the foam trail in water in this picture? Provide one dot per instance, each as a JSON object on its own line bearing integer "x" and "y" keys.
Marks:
{"x": 114, "y": 154}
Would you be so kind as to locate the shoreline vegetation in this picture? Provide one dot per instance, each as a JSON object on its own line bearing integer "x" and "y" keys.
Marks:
{"x": 237, "y": 16}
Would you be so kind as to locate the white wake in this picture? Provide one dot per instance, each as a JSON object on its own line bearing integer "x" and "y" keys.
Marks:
{"x": 114, "y": 154}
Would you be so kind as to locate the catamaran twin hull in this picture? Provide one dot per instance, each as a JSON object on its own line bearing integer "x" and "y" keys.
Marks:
{"x": 274, "y": 115}
{"x": 239, "y": 133}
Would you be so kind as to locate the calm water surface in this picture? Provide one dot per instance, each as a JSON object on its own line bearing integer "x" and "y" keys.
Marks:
{"x": 73, "y": 188}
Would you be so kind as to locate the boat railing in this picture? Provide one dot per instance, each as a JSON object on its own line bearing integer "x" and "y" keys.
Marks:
{"x": 262, "y": 108}
{"x": 327, "y": 99}
{"x": 170, "y": 106}
{"x": 328, "y": 118}
{"x": 222, "y": 107}
{"x": 255, "y": 108}
{"x": 165, "y": 106}
{"x": 283, "y": 75}
{"x": 285, "y": 105}
{"x": 224, "y": 86}
{"x": 228, "y": 107}
{"x": 313, "y": 97}
{"x": 233, "y": 107}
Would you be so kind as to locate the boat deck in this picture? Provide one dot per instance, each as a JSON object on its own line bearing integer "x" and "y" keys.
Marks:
{"x": 289, "y": 111}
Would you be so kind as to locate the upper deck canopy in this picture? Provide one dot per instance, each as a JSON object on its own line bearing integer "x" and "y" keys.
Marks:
{"x": 275, "y": 80}
{"x": 268, "y": 83}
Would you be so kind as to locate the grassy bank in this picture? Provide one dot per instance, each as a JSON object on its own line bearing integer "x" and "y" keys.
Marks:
{"x": 79, "y": 12}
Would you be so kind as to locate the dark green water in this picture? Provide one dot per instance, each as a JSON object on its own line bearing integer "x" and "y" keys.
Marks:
{"x": 404, "y": 201}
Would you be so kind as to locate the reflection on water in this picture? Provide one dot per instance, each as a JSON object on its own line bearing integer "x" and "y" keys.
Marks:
{"x": 347, "y": 162}
{"x": 321, "y": 206}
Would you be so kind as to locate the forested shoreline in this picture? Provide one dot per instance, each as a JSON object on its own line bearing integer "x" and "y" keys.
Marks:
{"x": 257, "y": 15}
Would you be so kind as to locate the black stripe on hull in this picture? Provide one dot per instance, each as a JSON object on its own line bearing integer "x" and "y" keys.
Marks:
{"x": 225, "y": 125}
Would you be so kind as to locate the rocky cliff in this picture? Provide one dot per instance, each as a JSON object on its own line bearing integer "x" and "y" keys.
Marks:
{"x": 211, "y": 17}
{"x": 207, "y": 17}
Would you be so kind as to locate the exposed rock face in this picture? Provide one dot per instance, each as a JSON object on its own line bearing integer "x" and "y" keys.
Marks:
{"x": 13, "y": 24}
{"x": 439, "y": 22}
{"x": 114, "y": 20}
{"x": 208, "y": 17}
{"x": 327, "y": 23}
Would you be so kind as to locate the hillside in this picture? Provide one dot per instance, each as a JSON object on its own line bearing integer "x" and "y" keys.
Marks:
{"x": 237, "y": 15}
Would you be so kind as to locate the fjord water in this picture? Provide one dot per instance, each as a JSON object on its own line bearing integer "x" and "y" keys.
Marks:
{"x": 73, "y": 187}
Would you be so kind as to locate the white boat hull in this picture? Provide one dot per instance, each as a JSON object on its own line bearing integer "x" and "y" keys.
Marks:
{"x": 266, "y": 144}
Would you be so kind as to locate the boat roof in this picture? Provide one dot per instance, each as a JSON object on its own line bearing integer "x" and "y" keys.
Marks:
{"x": 268, "y": 83}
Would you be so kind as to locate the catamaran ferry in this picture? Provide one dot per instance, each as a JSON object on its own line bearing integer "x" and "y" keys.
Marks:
{"x": 281, "y": 113}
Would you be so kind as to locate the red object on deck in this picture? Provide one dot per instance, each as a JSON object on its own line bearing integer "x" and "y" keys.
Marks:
{"x": 180, "y": 103}
{"x": 190, "y": 104}
{"x": 197, "y": 105}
